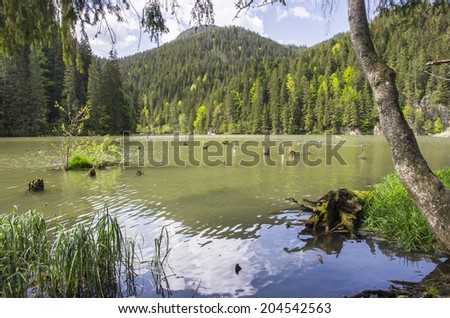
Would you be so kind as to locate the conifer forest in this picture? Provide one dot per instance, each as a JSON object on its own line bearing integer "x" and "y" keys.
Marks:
{"x": 230, "y": 80}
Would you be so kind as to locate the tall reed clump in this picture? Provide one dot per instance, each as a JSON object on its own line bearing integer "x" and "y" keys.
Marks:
{"x": 85, "y": 261}
{"x": 391, "y": 212}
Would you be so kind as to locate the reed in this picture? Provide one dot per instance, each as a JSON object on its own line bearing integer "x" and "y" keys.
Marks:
{"x": 93, "y": 260}
{"x": 23, "y": 253}
{"x": 159, "y": 263}
{"x": 390, "y": 212}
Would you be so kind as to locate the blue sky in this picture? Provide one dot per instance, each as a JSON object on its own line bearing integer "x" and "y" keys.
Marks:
{"x": 301, "y": 22}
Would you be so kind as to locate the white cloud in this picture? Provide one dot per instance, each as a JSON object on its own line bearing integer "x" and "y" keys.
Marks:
{"x": 301, "y": 12}
{"x": 296, "y": 12}
{"x": 226, "y": 15}
{"x": 282, "y": 13}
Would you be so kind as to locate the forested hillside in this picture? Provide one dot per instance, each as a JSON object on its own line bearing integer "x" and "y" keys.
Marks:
{"x": 203, "y": 80}
{"x": 230, "y": 80}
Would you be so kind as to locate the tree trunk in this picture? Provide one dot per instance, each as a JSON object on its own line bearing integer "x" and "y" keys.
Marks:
{"x": 429, "y": 194}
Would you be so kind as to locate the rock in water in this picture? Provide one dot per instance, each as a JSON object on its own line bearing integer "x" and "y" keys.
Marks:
{"x": 237, "y": 269}
{"x": 319, "y": 258}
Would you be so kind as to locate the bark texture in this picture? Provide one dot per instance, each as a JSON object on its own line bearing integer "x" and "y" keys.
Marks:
{"x": 430, "y": 195}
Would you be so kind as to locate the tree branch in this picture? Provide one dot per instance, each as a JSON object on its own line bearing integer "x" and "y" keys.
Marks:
{"x": 434, "y": 63}
{"x": 439, "y": 62}
{"x": 437, "y": 76}
{"x": 246, "y": 5}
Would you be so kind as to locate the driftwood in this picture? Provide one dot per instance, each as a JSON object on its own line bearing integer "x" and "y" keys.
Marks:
{"x": 337, "y": 211}
{"x": 36, "y": 185}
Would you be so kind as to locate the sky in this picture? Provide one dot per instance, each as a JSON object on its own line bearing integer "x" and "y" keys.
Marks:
{"x": 300, "y": 22}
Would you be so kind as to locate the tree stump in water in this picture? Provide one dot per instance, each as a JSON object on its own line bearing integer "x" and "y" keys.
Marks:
{"x": 36, "y": 185}
{"x": 337, "y": 211}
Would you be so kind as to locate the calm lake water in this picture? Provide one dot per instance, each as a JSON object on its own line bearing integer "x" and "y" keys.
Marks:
{"x": 227, "y": 214}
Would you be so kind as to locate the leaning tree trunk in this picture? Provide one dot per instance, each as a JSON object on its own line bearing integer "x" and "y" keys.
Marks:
{"x": 430, "y": 195}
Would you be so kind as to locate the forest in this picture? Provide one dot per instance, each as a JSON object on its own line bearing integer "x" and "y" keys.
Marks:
{"x": 230, "y": 80}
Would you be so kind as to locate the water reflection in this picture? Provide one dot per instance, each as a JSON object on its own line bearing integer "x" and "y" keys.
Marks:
{"x": 282, "y": 261}
{"x": 218, "y": 217}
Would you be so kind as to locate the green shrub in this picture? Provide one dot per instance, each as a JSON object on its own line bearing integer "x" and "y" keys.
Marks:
{"x": 391, "y": 212}
{"x": 78, "y": 162}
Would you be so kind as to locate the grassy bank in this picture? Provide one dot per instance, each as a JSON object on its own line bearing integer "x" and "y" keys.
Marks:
{"x": 390, "y": 212}
{"x": 93, "y": 260}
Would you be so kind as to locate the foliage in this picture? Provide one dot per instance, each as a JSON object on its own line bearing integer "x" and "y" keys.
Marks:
{"x": 23, "y": 94}
{"x": 84, "y": 261}
{"x": 433, "y": 291}
{"x": 200, "y": 120}
{"x": 438, "y": 125}
{"x": 95, "y": 151}
{"x": 69, "y": 131}
{"x": 299, "y": 90}
{"x": 391, "y": 212}
{"x": 39, "y": 22}
{"x": 79, "y": 162}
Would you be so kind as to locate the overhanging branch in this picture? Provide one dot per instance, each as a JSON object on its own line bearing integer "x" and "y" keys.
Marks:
{"x": 434, "y": 63}
{"x": 245, "y": 5}
{"x": 439, "y": 62}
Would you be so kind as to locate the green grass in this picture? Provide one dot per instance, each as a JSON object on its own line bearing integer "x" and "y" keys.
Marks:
{"x": 390, "y": 212}
{"x": 85, "y": 261}
{"x": 77, "y": 162}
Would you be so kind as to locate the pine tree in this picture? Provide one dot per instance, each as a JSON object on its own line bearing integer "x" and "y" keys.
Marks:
{"x": 112, "y": 96}
{"x": 37, "y": 103}
{"x": 99, "y": 119}
{"x": 274, "y": 102}
{"x": 257, "y": 107}
{"x": 291, "y": 110}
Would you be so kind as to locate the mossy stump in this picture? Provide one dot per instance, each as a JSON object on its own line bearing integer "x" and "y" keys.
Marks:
{"x": 36, "y": 185}
{"x": 337, "y": 211}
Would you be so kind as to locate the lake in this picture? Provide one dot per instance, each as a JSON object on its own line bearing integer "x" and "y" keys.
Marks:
{"x": 228, "y": 209}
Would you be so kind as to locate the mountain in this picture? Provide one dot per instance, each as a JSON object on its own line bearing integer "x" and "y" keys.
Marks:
{"x": 197, "y": 69}
{"x": 231, "y": 80}
{"x": 194, "y": 31}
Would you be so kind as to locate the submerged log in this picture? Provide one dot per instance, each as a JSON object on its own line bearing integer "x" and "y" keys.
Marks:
{"x": 36, "y": 185}
{"x": 337, "y": 211}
